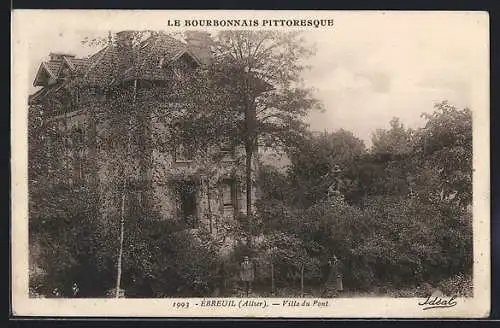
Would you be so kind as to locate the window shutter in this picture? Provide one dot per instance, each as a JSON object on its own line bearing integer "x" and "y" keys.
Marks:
{"x": 236, "y": 196}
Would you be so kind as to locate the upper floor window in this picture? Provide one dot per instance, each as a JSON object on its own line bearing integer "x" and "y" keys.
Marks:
{"x": 135, "y": 206}
{"x": 78, "y": 167}
{"x": 76, "y": 97}
{"x": 184, "y": 151}
{"x": 227, "y": 147}
{"x": 77, "y": 136}
{"x": 101, "y": 95}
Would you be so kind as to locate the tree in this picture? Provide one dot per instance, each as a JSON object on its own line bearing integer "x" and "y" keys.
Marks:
{"x": 58, "y": 194}
{"x": 397, "y": 140}
{"x": 263, "y": 70}
{"x": 322, "y": 161}
{"x": 444, "y": 147}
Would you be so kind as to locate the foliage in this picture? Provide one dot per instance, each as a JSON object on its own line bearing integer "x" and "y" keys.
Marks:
{"x": 164, "y": 258}
{"x": 319, "y": 163}
{"x": 392, "y": 243}
{"x": 391, "y": 230}
{"x": 68, "y": 250}
{"x": 459, "y": 285}
{"x": 397, "y": 140}
{"x": 445, "y": 146}
{"x": 289, "y": 255}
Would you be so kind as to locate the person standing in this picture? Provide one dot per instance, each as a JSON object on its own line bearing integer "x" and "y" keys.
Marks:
{"x": 75, "y": 289}
{"x": 334, "y": 284}
{"x": 247, "y": 274}
{"x": 338, "y": 274}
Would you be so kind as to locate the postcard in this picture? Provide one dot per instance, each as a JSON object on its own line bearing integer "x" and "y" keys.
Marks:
{"x": 250, "y": 164}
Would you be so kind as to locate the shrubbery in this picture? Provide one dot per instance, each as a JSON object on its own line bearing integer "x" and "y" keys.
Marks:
{"x": 395, "y": 243}
{"x": 160, "y": 259}
{"x": 459, "y": 285}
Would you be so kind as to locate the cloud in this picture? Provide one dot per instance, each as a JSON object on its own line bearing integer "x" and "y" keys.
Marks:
{"x": 380, "y": 66}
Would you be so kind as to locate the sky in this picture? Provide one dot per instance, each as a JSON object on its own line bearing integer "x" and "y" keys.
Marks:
{"x": 366, "y": 70}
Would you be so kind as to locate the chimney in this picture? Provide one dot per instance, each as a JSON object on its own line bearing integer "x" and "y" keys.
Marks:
{"x": 200, "y": 44}
{"x": 124, "y": 42}
{"x": 125, "y": 39}
{"x": 58, "y": 56}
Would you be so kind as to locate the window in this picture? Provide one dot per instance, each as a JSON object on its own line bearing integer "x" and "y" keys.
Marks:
{"x": 135, "y": 204}
{"x": 227, "y": 147}
{"x": 229, "y": 196}
{"x": 187, "y": 196}
{"x": 76, "y": 98}
{"x": 101, "y": 95}
{"x": 183, "y": 152}
{"x": 79, "y": 174}
{"x": 177, "y": 72}
{"x": 78, "y": 136}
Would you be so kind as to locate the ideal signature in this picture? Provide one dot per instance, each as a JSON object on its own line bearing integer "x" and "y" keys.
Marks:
{"x": 438, "y": 302}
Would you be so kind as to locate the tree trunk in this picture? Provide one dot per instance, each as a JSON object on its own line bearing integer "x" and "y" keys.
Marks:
{"x": 248, "y": 172}
{"x": 209, "y": 205}
{"x": 250, "y": 117}
{"x": 120, "y": 251}
{"x": 272, "y": 279}
{"x": 302, "y": 281}
{"x": 122, "y": 219}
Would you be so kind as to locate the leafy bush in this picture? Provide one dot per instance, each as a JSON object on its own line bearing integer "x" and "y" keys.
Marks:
{"x": 459, "y": 285}
{"x": 169, "y": 263}
{"x": 397, "y": 243}
{"x": 67, "y": 250}
{"x": 389, "y": 242}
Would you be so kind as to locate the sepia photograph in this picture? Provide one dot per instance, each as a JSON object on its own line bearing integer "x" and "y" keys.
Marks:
{"x": 253, "y": 161}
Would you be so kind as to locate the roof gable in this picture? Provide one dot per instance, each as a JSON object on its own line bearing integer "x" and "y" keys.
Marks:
{"x": 186, "y": 53}
{"x": 67, "y": 61}
{"x": 156, "y": 53}
{"x": 44, "y": 74}
{"x": 50, "y": 71}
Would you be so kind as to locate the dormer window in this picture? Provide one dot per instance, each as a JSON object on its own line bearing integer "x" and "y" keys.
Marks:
{"x": 101, "y": 95}
{"x": 161, "y": 63}
{"x": 177, "y": 72}
{"x": 184, "y": 153}
{"x": 64, "y": 74}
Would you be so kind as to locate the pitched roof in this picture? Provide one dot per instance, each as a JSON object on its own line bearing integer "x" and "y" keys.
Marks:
{"x": 79, "y": 63}
{"x": 110, "y": 65}
{"x": 153, "y": 52}
{"x": 53, "y": 68}
{"x": 103, "y": 67}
